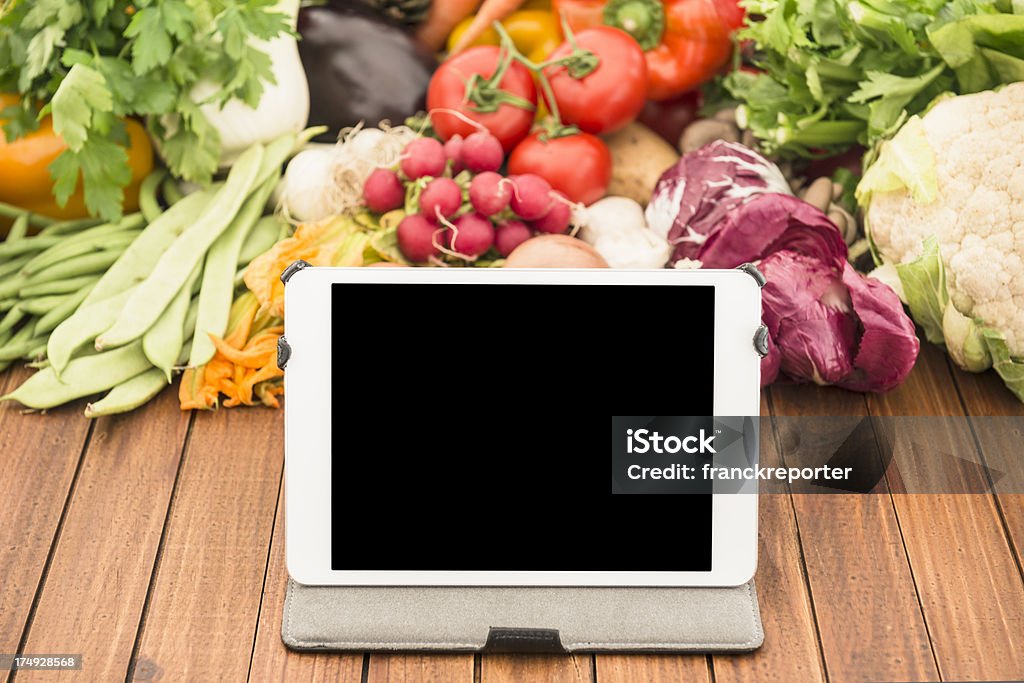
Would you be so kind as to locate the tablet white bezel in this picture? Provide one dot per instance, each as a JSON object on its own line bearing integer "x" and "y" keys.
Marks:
{"x": 308, "y": 420}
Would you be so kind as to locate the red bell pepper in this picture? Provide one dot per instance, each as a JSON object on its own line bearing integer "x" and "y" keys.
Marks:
{"x": 686, "y": 41}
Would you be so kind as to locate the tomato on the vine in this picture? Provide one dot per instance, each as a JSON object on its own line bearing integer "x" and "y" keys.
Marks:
{"x": 506, "y": 108}
{"x": 610, "y": 96}
{"x": 577, "y": 165}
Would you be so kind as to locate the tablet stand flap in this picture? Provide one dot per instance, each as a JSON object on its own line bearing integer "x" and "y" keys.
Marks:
{"x": 521, "y": 619}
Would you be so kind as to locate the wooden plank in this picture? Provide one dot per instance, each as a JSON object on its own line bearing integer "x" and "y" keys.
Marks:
{"x": 41, "y": 456}
{"x": 271, "y": 660}
{"x": 628, "y": 668}
{"x": 204, "y": 603}
{"x": 413, "y": 668}
{"x": 870, "y": 623}
{"x": 985, "y": 394}
{"x": 113, "y": 523}
{"x": 548, "y": 668}
{"x": 969, "y": 583}
{"x": 998, "y": 424}
{"x": 791, "y": 650}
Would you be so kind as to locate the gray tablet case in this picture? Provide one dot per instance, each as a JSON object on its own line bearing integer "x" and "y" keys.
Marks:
{"x": 537, "y": 619}
{"x": 521, "y": 619}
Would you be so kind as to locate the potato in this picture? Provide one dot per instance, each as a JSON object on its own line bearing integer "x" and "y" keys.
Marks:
{"x": 639, "y": 157}
{"x": 555, "y": 251}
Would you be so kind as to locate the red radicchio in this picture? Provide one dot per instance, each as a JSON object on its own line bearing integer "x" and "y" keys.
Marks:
{"x": 725, "y": 205}
{"x": 831, "y": 325}
{"x": 769, "y": 223}
{"x": 698, "y": 193}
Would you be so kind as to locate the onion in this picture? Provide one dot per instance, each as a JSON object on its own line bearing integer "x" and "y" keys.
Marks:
{"x": 555, "y": 251}
{"x": 326, "y": 180}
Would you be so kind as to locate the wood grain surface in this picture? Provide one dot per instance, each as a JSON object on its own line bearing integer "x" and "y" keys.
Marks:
{"x": 152, "y": 543}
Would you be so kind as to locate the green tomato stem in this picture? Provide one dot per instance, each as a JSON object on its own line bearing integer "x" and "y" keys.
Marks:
{"x": 642, "y": 19}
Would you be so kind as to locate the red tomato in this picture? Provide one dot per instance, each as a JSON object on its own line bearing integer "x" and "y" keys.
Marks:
{"x": 610, "y": 96}
{"x": 731, "y": 13}
{"x": 579, "y": 166}
{"x": 447, "y": 91}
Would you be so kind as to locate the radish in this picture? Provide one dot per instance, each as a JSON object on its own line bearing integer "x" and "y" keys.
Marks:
{"x": 453, "y": 151}
{"x": 423, "y": 157}
{"x": 481, "y": 151}
{"x": 510, "y": 235}
{"x": 557, "y": 219}
{"x": 473, "y": 235}
{"x": 383, "y": 191}
{"x": 531, "y": 196}
{"x": 490, "y": 193}
{"x": 416, "y": 238}
{"x": 441, "y": 195}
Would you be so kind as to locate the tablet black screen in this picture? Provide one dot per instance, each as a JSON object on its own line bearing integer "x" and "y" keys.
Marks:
{"x": 470, "y": 425}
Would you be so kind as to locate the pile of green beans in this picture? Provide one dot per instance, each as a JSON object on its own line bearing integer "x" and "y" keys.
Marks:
{"x": 120, "y": 307}
{"x": 44, "y": 277}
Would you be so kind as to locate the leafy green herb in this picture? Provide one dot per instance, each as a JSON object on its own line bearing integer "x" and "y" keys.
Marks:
{"x": 90, "y": 63}
{"x": 831, "y": 74}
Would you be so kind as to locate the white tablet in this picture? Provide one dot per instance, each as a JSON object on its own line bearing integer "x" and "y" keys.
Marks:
{"x": 450, "y": 426}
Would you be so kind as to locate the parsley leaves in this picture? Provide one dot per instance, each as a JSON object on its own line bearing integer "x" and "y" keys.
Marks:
{"x": 831, "y": 74}
{"x": 92, "y": 62}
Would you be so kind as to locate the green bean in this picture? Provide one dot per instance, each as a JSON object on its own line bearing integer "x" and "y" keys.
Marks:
{"x": 12, "y": 286}
{"x": 58, "y": 286}
{"x": 148, "y": 203}
{"x": 21, "y": 349}
{"x": 141, "y": 256}
{"x": 172, "y": 192}
{"x": 29, "y": 245}
{"x": 18, "y": 229}
{"x": 265, "y": 234}
{"x": 218, "y": 288}
{"x": 275, "y": 154}
{"x": 95, "y": 262}
{"x": 82, "y": 327}
{"x": 71, "y": 226}
{"x": 8, "y": 304}
{"x": 129, "y": 395}
{"x": 43, "y": 304}
{"x": 34, "y": 219}
{"x": 304, "y": 137}
{"x": 82, "y": 377}
{"x": 38, "y": 350}
{"x": 14, "y": 265}
{"x": 85, "y": 241}
{"x": 132, "y": 221}
{"x": 163, "y": 341}
{"x": 18, "y": 338}
{"x": 13, "y": 317}
{"x": 154, "y": 293}
{"x": 62, "y": 253}
{"x": 62, "y": 311}
{"x": 140, "y": 389}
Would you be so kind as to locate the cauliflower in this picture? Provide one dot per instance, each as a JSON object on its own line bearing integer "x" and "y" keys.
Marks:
{"x": 944, "y": 208}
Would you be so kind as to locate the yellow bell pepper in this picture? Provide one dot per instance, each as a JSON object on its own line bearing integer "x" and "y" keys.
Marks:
{"x": 535, "y": 33}
{"x": 25, "y": 178}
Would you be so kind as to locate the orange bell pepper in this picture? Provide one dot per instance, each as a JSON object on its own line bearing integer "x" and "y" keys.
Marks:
{"x": 25, "y": 178}
{"x": 686, "y": 41}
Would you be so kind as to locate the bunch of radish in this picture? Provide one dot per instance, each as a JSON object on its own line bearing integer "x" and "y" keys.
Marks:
{"x": 465, "y": 206}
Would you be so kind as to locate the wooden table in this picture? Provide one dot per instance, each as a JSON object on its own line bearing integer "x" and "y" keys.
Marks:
{"x": 152, "y": 543}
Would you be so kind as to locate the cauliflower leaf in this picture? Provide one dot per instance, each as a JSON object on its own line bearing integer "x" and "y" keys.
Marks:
{"x": 924, "y": 289}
